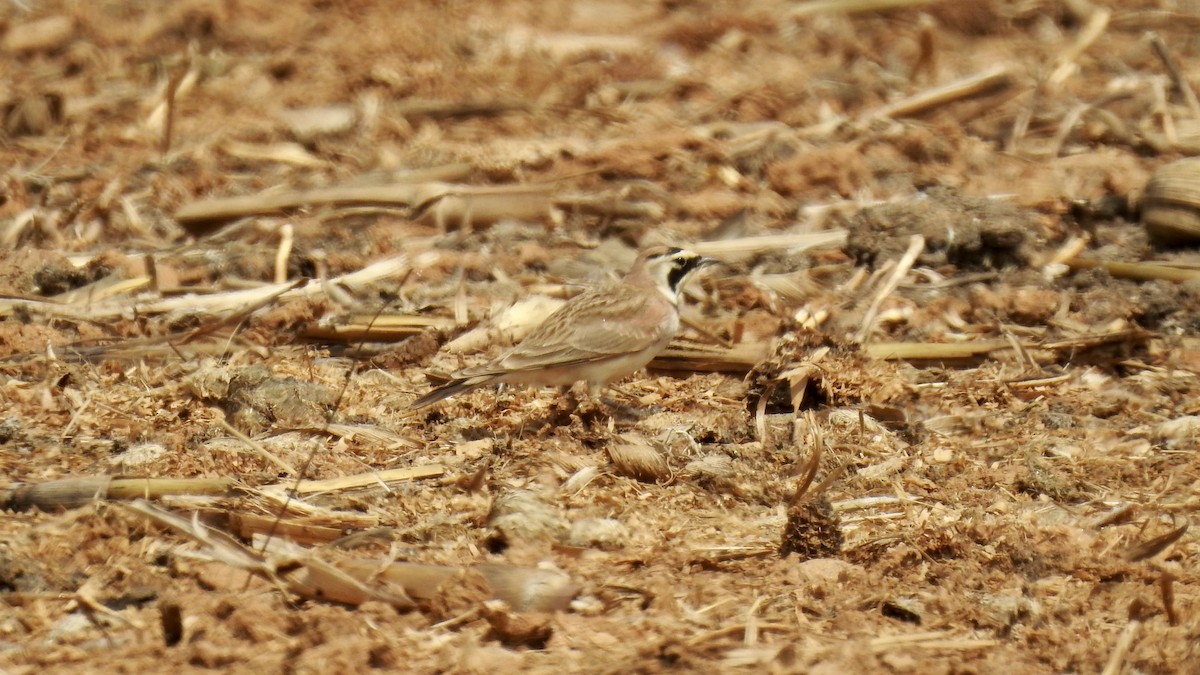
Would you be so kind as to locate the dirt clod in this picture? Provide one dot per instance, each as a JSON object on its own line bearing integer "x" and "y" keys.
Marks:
{"x": 970, "y": 233}
{"x": 812, "y": 531}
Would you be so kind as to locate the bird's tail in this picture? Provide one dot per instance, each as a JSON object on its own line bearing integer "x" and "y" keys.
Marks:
{"x": 449, "y": 389}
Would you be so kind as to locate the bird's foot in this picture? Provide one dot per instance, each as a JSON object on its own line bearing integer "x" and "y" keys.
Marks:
{"x": 628, "y": 410}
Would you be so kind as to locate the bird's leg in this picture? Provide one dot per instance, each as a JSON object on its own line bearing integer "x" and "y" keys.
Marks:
{"x": 591, "y": 400}
{"x": 560, "y": 414}
{"x": 625, "y": 409}
{"x": 567, "y": 399}
{"x": 575, "y": 405}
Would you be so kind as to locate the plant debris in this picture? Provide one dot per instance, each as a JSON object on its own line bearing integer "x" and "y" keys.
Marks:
{"x": 937, "y": 410}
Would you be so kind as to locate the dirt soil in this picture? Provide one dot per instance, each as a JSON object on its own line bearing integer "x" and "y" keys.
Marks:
{"x": 946, "y": 438}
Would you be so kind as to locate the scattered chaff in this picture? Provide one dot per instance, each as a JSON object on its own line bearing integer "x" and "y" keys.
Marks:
{"x": 1034, "y": 382}
{"x": 1155, "y": 19}
{"x": 865, "y": 503}
{"x": 170, "y": 96}
{"x": 1068, "y": 251}
{"x": 72, "y": 493}
{"x": 379, "y": 270}
{"x": 1096, "y": 110}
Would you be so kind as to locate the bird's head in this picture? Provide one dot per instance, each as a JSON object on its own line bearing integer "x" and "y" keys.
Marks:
{"x": 669, "y": 268}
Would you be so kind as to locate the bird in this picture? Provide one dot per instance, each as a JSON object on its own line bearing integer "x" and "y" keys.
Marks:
{"x": 599, "y": 336}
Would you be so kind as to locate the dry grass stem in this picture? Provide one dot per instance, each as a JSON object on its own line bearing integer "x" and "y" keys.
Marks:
{"x": 294, "y": 154}
{"x": 354, "y": 482}
{"x": 902, "y": 268}
{"x": 981, "y": 83}
{"x": 287, "y": 237}
{"x": 248, "y": 525}
{"x": 376, "y": 327}
{"x": 1066, "y": 63}
{"x": 363, "y": 432}
{"x": 812, "y": 7}
{"x": 1120, "y": 650}
{"x": 70, "y": 493}
{"x": 930, "y": 351}
{"x": 1136, "y": 271}
{"x": 414, "y": 194}
{"x": 234, "y": 302}
{"x": 257, "y": 448}
{"x": 928, "y": 640}
{"x": 1177, "y": 79}
{"x": 800, "y": 241}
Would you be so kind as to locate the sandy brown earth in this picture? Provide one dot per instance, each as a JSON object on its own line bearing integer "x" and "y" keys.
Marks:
{"x": 920, "y": 422}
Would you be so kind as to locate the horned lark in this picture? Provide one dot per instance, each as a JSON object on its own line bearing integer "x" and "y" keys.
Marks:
{"x": 598, "y": 336}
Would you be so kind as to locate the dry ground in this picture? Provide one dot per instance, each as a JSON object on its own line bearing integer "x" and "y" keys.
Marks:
{"x": 1004, "y": 435}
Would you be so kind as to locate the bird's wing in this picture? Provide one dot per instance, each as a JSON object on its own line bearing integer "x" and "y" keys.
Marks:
{"x": 605, "y": 323}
